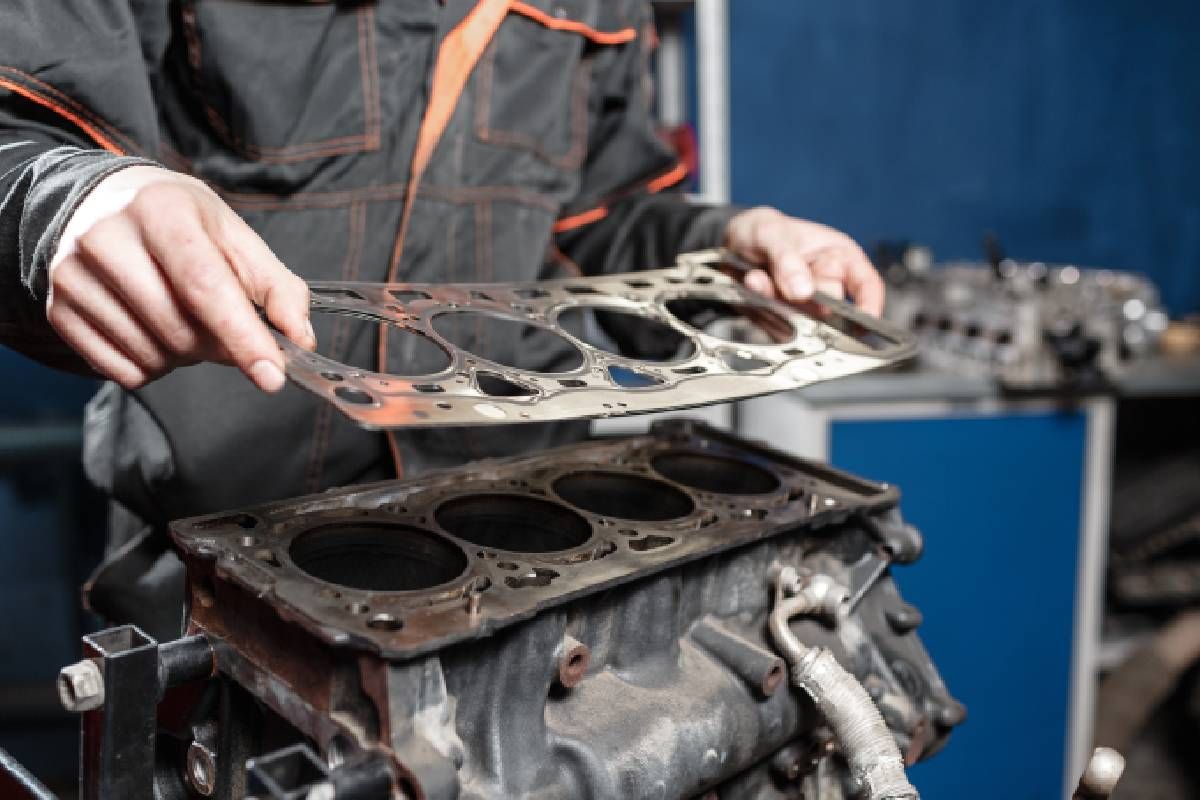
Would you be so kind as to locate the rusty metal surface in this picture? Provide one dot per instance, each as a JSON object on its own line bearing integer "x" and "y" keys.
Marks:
{"x": 623, "y": 508}
{"x": 792, "y": 350}
{"x": 590, "y": 621}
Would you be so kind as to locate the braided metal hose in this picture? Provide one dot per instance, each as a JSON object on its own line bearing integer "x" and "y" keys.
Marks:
{"x": 876, "y": 766}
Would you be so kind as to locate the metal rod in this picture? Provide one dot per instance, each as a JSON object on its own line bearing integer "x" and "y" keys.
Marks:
{"x": 712, "y": 68}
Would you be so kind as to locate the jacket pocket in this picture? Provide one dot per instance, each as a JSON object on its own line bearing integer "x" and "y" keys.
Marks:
{"x": 533, "y": 83}
{"x": 281, "y": 82}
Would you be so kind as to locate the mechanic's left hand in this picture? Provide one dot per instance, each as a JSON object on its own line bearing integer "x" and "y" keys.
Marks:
{"x": 797, "y": 256}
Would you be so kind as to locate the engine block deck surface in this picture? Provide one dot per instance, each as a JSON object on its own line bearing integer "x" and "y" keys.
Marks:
{"x": 790, "y": 349}
{"x": 402, "y": 568}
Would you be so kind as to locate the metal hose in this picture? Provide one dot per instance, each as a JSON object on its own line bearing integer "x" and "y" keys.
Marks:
{"x": 876, "y": 766}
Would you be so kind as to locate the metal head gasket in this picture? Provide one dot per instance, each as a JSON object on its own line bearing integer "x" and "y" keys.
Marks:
{"x": 406, "y": 567}
{"x": 792, "y": 350}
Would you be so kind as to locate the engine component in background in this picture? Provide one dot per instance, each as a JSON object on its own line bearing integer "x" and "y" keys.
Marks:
{"x": 587, "y": 622}
{"x": 581, "y": 374}
{"x": 1032, "y": 326}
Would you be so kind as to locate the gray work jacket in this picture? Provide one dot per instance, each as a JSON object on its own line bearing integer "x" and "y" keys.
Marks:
{"x": 304, "y": 116}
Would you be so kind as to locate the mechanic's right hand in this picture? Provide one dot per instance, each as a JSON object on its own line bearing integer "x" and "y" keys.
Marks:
{"x": 154, "y": 272}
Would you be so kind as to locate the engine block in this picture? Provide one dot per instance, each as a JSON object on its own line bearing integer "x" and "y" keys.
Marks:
{"x": 588, "y": 622}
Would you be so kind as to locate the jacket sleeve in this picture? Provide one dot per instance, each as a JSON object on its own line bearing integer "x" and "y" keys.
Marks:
{"x": 75, "y": 106}
{"x": 629, "y": 214}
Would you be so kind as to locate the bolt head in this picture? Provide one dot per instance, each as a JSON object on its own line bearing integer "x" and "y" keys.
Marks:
{"x": 201, "y": 769}
{"x": 81, "y": 686}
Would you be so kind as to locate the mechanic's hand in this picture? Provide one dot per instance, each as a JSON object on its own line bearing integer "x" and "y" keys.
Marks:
{"x": 797, "y": 257}
{"x": 154, "y": 272}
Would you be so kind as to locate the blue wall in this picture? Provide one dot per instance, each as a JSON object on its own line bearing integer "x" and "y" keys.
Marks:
{"x": 1069, "y": 127}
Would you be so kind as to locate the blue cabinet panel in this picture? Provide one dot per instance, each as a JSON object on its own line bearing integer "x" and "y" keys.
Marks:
{"x": 998, "y": 499}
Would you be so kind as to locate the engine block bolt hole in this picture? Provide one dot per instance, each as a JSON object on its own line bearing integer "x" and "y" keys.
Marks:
{"x": 385, "y": 622}
{"x": 573, "y": 660}
{"x": 201, "y": 769}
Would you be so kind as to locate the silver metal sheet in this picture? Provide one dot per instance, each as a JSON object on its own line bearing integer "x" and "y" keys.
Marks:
{"x": 839, "y": 340}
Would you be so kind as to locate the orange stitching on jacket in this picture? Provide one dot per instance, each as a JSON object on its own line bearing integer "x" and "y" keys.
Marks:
{"x": 369, "y": 139}
{"x": 662, "y": 182}
{"x": 366, "y": 49}
{"x": 484, "y": 73}
{"x": 599, "y": 37}
{"x": 668, "y": 180}
{"x": 341, "y": 145}
{"x": 456, "y": 59}
{"x": 573, "y": 157}
{"x": 71, "y": 103}
{"x": 579, "y": 220}
{"x": 459, "y": 53}
{"x": 95, "y": 134}
{"x": 483, "y": 242}
{"x": 109, "y": 130}
{"x": 322, "y": 426}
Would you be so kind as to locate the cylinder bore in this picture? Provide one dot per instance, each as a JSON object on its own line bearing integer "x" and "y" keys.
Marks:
{"x": 615, "y": 494}
{"x": 514, "y": 523}
{"x": 717, "y": 474}
{"x": 378, "y": 557}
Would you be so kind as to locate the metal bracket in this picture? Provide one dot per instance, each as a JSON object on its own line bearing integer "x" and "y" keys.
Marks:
{"x": 117, "y": 687}
{"x": 117, "y": 738}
